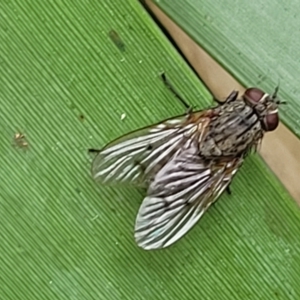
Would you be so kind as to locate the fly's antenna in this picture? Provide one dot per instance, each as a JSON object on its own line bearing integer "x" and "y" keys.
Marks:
{"x": 274, "y": 95}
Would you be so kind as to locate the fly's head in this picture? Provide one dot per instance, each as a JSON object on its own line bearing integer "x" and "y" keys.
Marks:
{"x": 265, "y": 106}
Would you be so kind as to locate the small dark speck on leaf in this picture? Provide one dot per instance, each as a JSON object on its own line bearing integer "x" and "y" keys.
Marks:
{"x": 78, "y": 191}
{"x": 81, "y": 117}
{"x": 114, "y": 36}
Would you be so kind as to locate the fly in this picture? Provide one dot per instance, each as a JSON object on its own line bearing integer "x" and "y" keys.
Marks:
{"x": 186, "y": 162}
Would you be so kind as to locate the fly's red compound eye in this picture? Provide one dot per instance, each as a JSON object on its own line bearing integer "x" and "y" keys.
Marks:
{"x": 270, "y": 121}
{"x": 253, "y": 95}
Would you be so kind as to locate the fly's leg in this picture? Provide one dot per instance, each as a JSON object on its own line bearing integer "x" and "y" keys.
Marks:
{"x": 93, "y": 150}
{"x": 232, "y": 97}
{"x": 228, "y": 190}
{"x": 168, "y": 84}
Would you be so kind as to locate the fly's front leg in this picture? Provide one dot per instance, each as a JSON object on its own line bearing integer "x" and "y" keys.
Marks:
{"x": 168, "y": 84}
{"x": 231, "y": 97}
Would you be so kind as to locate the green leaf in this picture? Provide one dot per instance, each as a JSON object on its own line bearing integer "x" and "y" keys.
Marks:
{"x": 67, "y": 85}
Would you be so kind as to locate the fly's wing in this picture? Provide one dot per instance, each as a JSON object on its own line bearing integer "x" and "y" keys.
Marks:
{"x": 136, "y": 157}
{"x": 179, "y": 195}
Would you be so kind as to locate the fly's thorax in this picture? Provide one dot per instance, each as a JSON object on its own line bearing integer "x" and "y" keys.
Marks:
{"x": 235, "y": 130}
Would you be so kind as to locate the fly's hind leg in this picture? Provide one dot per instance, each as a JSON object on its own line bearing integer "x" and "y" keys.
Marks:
{"x": 168, "y": 84}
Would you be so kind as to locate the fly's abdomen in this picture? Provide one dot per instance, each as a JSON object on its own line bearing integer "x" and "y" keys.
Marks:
{"x": 235, "y": 130}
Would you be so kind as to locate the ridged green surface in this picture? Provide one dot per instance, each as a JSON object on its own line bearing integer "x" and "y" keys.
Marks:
{"x": 256, "y": 41}
{"x": 65, "y": 85}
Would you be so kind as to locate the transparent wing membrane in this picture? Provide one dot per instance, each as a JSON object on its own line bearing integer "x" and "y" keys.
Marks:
{"x": 179, "y": 195}
{"x": 136, "y": 157}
